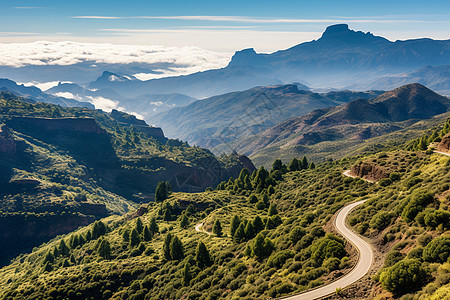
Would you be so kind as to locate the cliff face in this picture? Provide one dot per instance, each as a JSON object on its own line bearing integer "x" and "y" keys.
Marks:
{"x": 25, "y": 231}
{"x": 82, "y": 137}
{"x": 86, "y": 125}
{"x": 444, "y": 144}
{"x": 369, "y": 171}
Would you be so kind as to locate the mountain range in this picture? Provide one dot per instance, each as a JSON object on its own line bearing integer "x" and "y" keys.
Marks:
{"x": 222, "y": 119}
{"x": 333, "y": 129}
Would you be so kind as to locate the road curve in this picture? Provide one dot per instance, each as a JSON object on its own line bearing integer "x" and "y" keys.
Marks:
{"x": 365, "y": 259}
{"x": 199, "y": 228}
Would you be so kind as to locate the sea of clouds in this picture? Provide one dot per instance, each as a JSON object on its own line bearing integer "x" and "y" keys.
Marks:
{"x": 185, "y": 60}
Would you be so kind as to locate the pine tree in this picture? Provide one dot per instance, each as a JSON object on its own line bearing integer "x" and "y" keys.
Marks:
{"x": 312, "y": 166}
{"x": 184, "y": 222}
{"x": 62, "y": 248}
{"x": 139, "y": 225}
{"x": 49, "y": 257}
{"x": 202, "y": 256}
{"x": 277, "y": 165}
{"x": 135, "y": 238}
{"x": 154, "y": 229}
{"x": 147, "y": 234}
{"x": 258, "y": 224}
{"x": 249, "y": 231}
{"x": 235, "y": 222}
{"x": 273, "y": 209}
{"x": 190, "y": 209}
{"x": 258, "y": 246}
{"x": 186, "y": 274}
{"x": 126, "y": 236}
{"x": 217, "y": 228}
{"x": 104, "y": 249}
{"x": 167, "y": 216}
{"x": 239, "y": 235}
{"x": 176, "y": 249}
{"x": 294, "y": 165}
{"x": 166, "y": 246}
{"x": 161, "y": 192}
{"x": 304, "y": 163}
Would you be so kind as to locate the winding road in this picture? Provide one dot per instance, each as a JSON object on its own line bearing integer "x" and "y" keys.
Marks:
{"x": 365, "y": 259}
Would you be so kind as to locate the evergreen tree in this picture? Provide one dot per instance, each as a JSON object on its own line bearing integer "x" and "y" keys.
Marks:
{"x": 244, "y": 172}
{"x": 104, "y": 249}
{"x": 176, "y": 248}
{"x": 294, "y": 165}
{"x": 49, "y": 257}
{"x": 312, "y": 166}
{"x": 72, "y": 259}
{"x": 190, "y": 209}
{"x": 258, "y": 224}
{"x": 135, "y": 238}
{"x": 184, "y": 222}
{"x": 147, "y": 234}
{"x": 162, "y": 192}
{"x": 202, "y": 256}
{"x": 217, "y": 228}
{"x": 62, "y": 248}
{"x": 277, "y": 165}
{"x": 249, "y": 231}
{"x": 166, "y": 246}
{"x": 239, "y": 235}
{"x": 154, "y": 229}
{"x": 126, "y": 236}
{"x": 273, "y": 209}
{"x": 235, "y": 222}
{"x": 167, "y": 216}
{"x": 304, "y": 163}
{"x": 258, "y": 246}
{"x": 186, "y": 274}
{"x": 139, "y": 225}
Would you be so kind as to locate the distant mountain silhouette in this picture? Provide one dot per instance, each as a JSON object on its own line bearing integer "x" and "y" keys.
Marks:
{"x": 36, "y": 94}
{"x": 340, "y": 58}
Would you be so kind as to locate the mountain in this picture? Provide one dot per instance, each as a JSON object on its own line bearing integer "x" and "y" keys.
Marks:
{"x": 197, "y": 85}
{"x": 61, "y": 168}
{"x": 436, "y": 78}
{"x": 146, "y": 105}
{"x": 219, "y": 120}
{"x": 355, "y": 121}
{"x": 37, "y": 95}
{"x": 340, "y": 58}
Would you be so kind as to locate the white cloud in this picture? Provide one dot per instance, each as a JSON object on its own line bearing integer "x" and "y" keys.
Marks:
{"x": 43, "y": 86}
{"x": 68, "y": 96}
{"x": 103, "y": 103}
{"x": 245, "y": 19}
{"x": 69, "y": 53}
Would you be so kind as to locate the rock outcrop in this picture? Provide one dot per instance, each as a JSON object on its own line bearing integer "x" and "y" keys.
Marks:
{"x": 369, "y": 171}
{"x": 444, "y": 144}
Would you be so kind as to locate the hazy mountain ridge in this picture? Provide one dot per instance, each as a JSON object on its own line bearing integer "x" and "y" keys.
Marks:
{"x": 219, "y": 120}
{"x": 357, "y": 120}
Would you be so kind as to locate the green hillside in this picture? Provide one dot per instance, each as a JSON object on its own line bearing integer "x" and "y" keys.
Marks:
{"x": 275, "y": 239}
{"x": 61, "y": 168}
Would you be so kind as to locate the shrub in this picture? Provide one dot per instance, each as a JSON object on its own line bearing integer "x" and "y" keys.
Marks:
{"x": 438, "y": 250}
{"x": 278, "y": 259}
{"x": 381, "y": 220}
{"x": 403, "y": 276}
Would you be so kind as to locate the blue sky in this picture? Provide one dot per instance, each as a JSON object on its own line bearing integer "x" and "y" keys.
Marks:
{"x": 222, "y": 26}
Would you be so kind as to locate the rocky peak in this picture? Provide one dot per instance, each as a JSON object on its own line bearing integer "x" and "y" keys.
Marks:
{"x": 341, "y": 34}
{"x": 246, "y": 57}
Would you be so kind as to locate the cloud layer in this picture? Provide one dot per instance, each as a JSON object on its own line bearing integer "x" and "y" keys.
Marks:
{"x": 69, "y": 53}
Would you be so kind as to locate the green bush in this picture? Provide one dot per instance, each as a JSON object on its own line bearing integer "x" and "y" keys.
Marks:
{"x": 438, "y": 250}
{"x": 404, "y": 276}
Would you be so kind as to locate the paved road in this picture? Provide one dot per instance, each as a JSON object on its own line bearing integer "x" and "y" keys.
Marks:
{"x": 199, "y": 228}
{"x": 443, "y": 153}
{"x": 364, "y": 264}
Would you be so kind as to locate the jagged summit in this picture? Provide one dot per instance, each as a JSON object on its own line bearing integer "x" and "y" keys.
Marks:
{"x": 342, "y": 33}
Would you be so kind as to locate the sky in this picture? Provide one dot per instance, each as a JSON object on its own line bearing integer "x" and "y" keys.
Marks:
{"x": 221, "y": 26}
{"x": 194, "y": 35}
